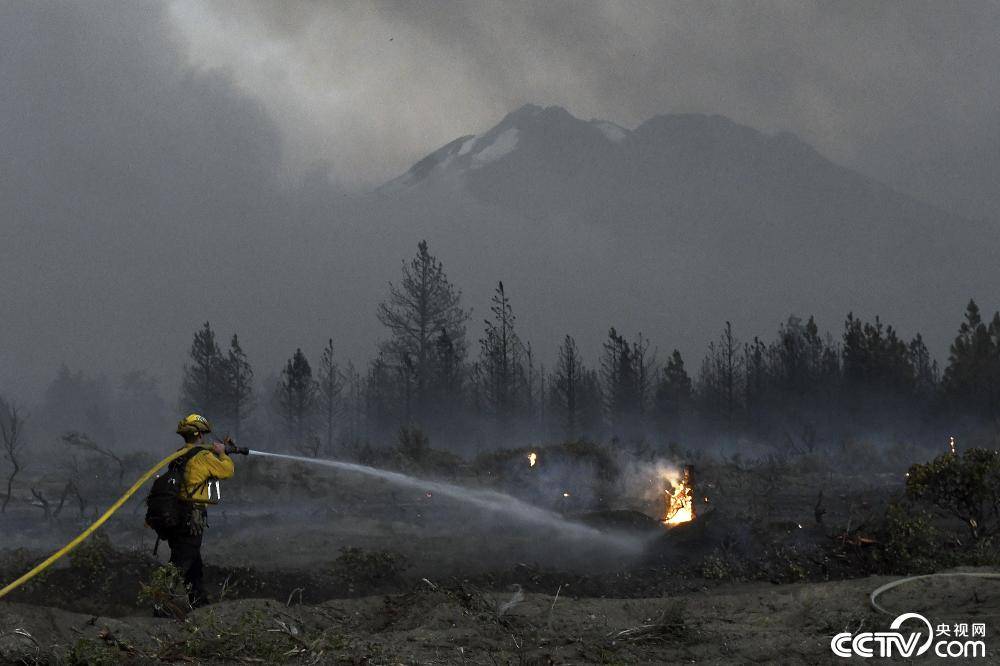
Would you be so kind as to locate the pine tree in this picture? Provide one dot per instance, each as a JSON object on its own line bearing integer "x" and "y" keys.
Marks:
{"x": 423, "y": 305}
{"x": 354, "y": 407}
{"x": 875, "y": 359}
{"x": 238, "y": 393}
{"x": 757, "y": 376}
{"x": 500, "y": 371}
{"x": 792, "y": 357}
{"x": 528, "y": 379}
{"x": 449, "y": 374}
{"x": 721, "y": 380}
{"x": 566, "y": 387}
{"x": 673, "y": 395}
{"x": 379, "y": 398}
{"x": 203, "y": 385}
{"x": 626, "y": 375}
{"x": 644, "y": 370}
{"x": 802, "y": 369}
{"x": 925, "y": 370}
{"x": 591, "y": 404}
{"x": 296, "y": 400}
{"x": 971, "y": 379}
{"x": 330, "y": 386}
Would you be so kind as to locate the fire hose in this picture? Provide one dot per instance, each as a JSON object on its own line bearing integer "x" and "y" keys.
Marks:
{"x": 230, "y": 448}
{"x": 888, "y": 586}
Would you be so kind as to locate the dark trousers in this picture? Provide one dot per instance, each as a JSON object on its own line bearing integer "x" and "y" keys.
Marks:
{"x": 185, "y": 554}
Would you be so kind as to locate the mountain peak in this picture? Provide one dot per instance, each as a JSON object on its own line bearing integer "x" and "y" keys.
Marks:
{"x": 535, "y": 144}
{"x": 525, "y": 111}
{"x": 533, "y": 115}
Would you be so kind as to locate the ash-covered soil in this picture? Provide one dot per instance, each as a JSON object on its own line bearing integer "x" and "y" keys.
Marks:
{"x": 308, "y": 567}
{"x": 461, "y": 624}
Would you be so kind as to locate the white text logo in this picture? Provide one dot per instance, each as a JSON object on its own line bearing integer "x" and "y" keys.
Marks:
{"x": 954, "y": 640}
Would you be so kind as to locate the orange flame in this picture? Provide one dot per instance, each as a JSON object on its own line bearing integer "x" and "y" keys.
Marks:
{"x": 532, "y": 459}
{"x": 679, "y": 499}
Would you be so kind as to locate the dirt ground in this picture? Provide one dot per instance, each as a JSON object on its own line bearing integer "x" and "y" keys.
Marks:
{"x": 349, "y": 571}
{"x": 431, "y": 624}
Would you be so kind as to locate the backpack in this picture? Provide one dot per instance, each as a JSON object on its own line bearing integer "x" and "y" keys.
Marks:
{"x": 165, "y": 511}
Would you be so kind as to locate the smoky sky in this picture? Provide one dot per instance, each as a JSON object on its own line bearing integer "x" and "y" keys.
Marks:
{"x": 129, "y": 183}
{"x": 905, "y": 92}
{"x": 164, "y": 164}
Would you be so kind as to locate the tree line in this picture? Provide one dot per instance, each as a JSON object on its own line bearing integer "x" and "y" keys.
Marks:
{"x": 427, "y": 374}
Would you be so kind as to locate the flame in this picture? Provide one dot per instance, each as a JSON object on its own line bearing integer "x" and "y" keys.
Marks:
{"x": 565, "y": 494}
{"x": 679, "y": 499}
{"x": 532, "y": 459}
{"x": 951, "y": 445}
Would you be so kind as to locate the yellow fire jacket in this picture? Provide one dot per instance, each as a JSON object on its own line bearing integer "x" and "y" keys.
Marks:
{"x": 200, "y": 468}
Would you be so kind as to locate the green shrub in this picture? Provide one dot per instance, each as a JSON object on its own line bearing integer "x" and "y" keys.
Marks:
{"x": 166, "y": 592}
{"x": 723, "y": 564}
{"x": 964, "y": 485}
{"x": 715, "y": 567}
{"x": 253, "y": 636}
{"x": 88, "y": 652}
{"x": 94, "y": 562}
{"x": 93, "y": 555}
{"x": 910, "y": 543}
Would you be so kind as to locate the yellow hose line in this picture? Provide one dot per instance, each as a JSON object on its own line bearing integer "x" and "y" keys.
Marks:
{"x": 90, "y": 530}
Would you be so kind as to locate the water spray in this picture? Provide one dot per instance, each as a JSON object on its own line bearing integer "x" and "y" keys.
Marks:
{"x": 489, "y": 500}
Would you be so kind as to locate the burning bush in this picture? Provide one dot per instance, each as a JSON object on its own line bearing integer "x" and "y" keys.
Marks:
{"x": 679, "y": 498}
{"x": 966, "y": 486}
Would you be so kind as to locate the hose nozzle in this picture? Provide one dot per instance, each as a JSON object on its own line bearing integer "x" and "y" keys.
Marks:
{"x": 231, "y": 447}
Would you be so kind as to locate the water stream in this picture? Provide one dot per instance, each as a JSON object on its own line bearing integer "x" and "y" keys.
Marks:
{"x": 490, "y": 500}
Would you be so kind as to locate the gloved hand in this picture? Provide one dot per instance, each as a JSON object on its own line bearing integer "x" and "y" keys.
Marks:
{"x": 231, "y": 448}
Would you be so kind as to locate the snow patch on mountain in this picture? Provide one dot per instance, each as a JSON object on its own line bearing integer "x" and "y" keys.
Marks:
{"x": 610, "y": 130}
{"x": 467, "y": 146}
{"x": 503, "y": 144}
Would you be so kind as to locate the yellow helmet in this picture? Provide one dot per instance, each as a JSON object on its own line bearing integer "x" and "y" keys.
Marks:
{"x": 192, "y": 424}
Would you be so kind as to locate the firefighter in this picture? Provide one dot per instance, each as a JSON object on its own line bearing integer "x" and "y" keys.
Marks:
{"x": 210, "y": 464}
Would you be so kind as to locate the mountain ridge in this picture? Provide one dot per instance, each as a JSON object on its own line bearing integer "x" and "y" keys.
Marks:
{"x": 690, "y": 214}
{"x": 658, "y": 149}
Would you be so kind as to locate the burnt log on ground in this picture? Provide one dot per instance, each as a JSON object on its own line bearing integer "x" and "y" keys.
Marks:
{"x": 686, "y": 543}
